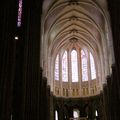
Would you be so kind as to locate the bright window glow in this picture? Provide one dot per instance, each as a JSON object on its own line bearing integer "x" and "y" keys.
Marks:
{"x": 75, "y": 113}
{"x": 96, "y": 113}
{"x": 11, "y": 117}
{"x": 57, "y": 68}
{"x": 92, "y": 67}
{"x": 19, "y": 13}
{"x": 84, "y": 66}
{"x": 16, "y": 38}
{"x": 56, "y": 115}
{"x": 65, "y": 67}
{"x": 74, "y": 65}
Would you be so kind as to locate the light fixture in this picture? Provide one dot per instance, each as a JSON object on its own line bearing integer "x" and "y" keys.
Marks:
{"x": 16, "y": 38}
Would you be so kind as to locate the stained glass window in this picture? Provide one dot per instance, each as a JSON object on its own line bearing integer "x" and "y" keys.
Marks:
{"x": 19, "y": 13}
{"x": 84, "y": 66}
{"x": 92, "y": 67}
{"x": 57, "y": 68}
{"x": 74, "y": 65}
{"x": 65, "y": 67}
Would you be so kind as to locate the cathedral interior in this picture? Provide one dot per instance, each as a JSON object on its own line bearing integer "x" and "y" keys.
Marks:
{"x": 60, "y": 60}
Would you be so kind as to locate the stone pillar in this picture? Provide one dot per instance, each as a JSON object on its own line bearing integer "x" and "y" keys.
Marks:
{"x": 89, "y": 75}
{"x": 79, "y": 71}
{"x": 69, "y": 72}
{"x": 27, "y": 76}
{"x": 8, "y": 14}
{"x": 60, "y": 76}
{"x": 115, "y": 83}
{"x": 52, "y": 106}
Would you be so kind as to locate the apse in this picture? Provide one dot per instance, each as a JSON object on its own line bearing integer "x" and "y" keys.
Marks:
{"x": 76, "y": 46}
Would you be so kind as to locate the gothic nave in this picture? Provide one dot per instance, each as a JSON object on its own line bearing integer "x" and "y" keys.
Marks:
{"x": 59, "y": 60}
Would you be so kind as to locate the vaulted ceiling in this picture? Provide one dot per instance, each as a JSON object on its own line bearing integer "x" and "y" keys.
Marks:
{"x": 84, "y": 20}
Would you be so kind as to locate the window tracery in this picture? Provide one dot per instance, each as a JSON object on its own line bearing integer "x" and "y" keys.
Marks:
{"x": 74, "y": 66}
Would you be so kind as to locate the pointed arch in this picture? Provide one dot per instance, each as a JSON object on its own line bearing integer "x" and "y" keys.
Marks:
{"x": 65, "y": 67}
{"x": 56, "y": 71}
{"x": 74, "y": 66}
{"x": 92, "y": 67}
{"x": 84, "y": 66}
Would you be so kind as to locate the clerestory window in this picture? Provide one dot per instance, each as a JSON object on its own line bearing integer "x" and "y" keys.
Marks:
{"x": 57, "y": 68}
{"x": 92, "y": 67}
{"x": 84, "y": 66}
{"x": 65, "y": 67}
{"x": 75, "y": 66}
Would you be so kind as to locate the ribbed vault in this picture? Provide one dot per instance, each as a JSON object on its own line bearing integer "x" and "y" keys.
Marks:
{"x": 84, "y": 20}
